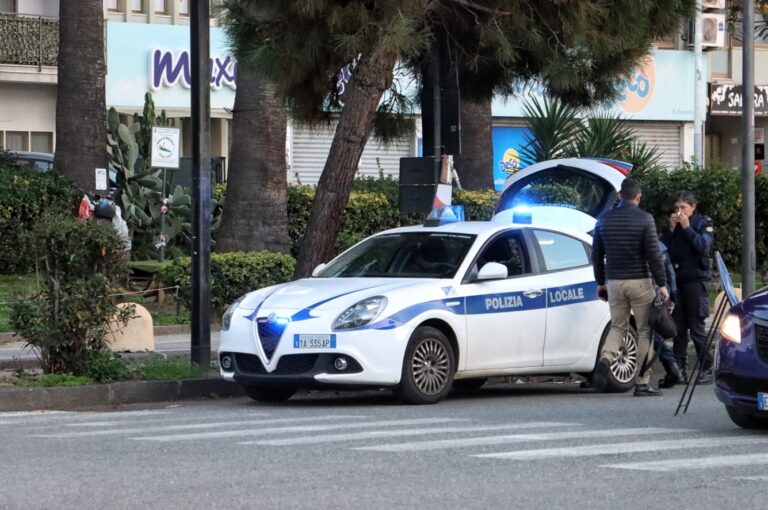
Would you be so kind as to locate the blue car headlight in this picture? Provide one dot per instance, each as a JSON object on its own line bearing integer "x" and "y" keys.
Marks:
{"x": 226, "y": 320}
{"x": 360, "y": 313}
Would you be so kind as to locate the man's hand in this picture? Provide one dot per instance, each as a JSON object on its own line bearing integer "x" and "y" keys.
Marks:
{"x": 602, "y": 292}
{"x": 664, "y": 293}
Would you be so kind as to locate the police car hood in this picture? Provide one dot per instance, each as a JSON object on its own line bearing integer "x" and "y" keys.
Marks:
{"x": 333, "y": 293}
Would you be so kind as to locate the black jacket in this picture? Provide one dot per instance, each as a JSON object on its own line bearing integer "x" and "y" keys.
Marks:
{"x": 626, "y": 247}
{"x": 689, "y": 249}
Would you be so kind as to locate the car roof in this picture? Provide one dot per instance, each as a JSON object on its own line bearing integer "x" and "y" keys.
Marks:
{"x": 42, "y": 156}
{"x": 483, "y": 229}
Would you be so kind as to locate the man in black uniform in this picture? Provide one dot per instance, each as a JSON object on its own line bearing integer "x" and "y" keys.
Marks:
{"x": 689, "y": 241}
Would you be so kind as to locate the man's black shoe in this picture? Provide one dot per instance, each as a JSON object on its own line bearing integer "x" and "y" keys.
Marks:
{"x": 646, "y": 390}
{"x": 600, "y": 379}
{"x": 674, "y": 376}
{"x": 705, "y": 377}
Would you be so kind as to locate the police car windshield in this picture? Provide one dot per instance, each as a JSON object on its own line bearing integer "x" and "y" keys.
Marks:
{"x": 403, "y": 255}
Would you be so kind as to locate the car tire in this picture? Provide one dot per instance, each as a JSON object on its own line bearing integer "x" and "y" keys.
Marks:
{"x": 469, "y": 384}
{"x": 268, "y": 393}
{"x": 746, "y": 420}
{"x": 621, "y": 376}
{"x": 428, "y": 367}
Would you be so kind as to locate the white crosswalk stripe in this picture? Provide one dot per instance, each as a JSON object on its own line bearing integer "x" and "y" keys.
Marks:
{"x": 515, "y": 438}
{"x": 752, "y": 459}
{"x": 193, "y": 426}
{"x": 302, "y": 428}
{"x": 374, "y": 434}
{"x": 625, "y": 448}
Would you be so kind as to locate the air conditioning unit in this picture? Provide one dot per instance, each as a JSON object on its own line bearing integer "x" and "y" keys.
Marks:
{"x": 712, "y": 30}
{"x": 713, "y": 4}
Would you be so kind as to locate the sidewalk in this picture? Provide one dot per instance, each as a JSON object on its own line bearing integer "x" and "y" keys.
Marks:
{"x": 14, "y": 354}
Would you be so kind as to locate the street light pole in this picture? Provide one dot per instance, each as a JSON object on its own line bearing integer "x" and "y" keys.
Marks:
{"x": 699, "y": 84}
{"x": 748, "y": 261}
{"x": 201, "y": 184}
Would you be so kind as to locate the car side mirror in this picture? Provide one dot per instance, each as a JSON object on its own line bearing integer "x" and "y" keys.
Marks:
{"x": 318, "y": 269}
{"x": 492, "y": 271}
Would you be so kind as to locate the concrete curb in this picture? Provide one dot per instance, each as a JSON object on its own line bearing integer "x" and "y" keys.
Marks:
{"x": 78, "y": 398}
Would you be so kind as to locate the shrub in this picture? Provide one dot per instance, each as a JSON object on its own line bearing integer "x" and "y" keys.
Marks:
{"x": 232, "y": 275}
{"x": 81, "y": 263}
{"x": 103, "y": 366}
{"x": 478, "y": 205}
{"x": 26, "y": 196}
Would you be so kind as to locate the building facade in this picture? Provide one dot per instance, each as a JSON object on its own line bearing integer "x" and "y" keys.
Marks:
{"x": 147, "y": 45}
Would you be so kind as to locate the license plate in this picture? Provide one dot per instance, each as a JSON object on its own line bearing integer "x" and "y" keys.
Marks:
{"x": 762, "y": 401}
{"x": 314, "y": 341}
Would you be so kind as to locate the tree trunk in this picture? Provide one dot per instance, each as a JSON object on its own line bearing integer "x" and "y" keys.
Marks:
{"x": 370, "y": 79}
{"x": 475, "y": 164}
{"x": 81, "y": 111}
{"x": 256, "y": 214}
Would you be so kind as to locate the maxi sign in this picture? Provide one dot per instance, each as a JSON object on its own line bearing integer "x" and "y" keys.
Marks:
{"x": 154, "y": 58}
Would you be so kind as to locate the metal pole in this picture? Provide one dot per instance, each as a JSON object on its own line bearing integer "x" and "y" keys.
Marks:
{"x": 437, "y": 151}
{"x": 698, "y": 91}
{"x": 748, "y": 151}
{"x": 201, "y": 185}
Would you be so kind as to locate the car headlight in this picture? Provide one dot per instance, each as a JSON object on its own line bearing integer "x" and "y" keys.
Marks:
{"x": 731, "y": 328}
{"x": 226, "y": 320}
{"x": 360, "y": 313}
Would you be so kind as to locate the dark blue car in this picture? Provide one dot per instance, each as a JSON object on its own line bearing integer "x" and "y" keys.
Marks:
{"x": 741, "y": 361}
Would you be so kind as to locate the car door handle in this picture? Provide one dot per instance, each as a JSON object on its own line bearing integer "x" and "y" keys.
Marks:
{"x": 533, "y": 293}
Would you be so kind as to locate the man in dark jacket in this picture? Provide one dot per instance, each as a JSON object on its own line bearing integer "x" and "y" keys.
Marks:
{"x": 689, "y": 241}
{"x": 627, "y": 262}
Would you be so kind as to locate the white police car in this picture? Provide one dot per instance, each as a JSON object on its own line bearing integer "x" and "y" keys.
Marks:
{"x": 422, "y": 308}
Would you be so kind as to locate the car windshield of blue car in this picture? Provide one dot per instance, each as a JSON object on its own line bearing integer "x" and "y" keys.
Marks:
{"x": 403, "y": 255}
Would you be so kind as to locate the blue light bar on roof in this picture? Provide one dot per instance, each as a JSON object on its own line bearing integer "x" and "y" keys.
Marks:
{"x": 522, "y": 214}
{"x": 441, "y": 215}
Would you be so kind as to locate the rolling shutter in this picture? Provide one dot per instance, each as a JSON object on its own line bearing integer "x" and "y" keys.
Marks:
{"x": 310, "y": 147}
{"x": 665, "y": 137}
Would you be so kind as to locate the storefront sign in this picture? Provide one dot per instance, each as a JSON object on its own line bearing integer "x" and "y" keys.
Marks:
{"x": 166, "y": 69}
{"x": 728, "y": 100}
{"x": 507, "y": 144}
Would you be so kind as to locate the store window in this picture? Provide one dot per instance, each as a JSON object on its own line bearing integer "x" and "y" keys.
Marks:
{"x": 113, "y": 5}
{"x": 161, "y": 7}
{"x": 16, "y": 141}
{"x": 41, "y": 142}
{"x": 184, "y": 7}
{"x": 137, "y": 5}
{"x": 7, "y": 6}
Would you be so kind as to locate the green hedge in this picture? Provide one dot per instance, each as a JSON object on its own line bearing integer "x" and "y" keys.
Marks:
{"x": 232, "y": 275}
{"x": 25, "y": 195}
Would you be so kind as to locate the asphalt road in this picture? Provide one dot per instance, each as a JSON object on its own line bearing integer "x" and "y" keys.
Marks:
{"x": 504, "y": 446}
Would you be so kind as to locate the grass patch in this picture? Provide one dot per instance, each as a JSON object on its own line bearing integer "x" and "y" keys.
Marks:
{"x": 161, "y": 369}
{"x": 50, "y": 380}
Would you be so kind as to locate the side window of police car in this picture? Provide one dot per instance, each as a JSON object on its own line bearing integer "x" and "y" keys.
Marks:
{"x": 560, "y": 251}
{"x": 508, "y": 250}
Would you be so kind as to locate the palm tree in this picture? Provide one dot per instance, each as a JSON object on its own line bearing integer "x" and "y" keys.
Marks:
{"x": 81, "y": 112}
{"x": 255, "y": 216}
{"x": 475, "y": 164}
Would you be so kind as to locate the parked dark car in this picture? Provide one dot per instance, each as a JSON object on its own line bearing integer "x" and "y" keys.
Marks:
{"x": 741, "y": 361}
{"x": 41, "y": 161}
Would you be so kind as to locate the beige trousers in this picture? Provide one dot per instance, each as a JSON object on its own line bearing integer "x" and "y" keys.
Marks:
{"x": 626, "y": 297}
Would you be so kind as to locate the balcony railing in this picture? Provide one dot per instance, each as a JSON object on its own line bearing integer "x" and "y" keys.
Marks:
{"x": 28, "y": 40}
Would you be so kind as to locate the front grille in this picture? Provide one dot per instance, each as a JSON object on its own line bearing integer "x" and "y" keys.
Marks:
{"x": 761, "y": 342}
{"x": 750, "y": 386}
{"x": 269, "y": 332}
{"x": 294, "y": 364}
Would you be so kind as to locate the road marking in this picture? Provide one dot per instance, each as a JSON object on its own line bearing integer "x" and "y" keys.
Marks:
{"x": 301, "y": 428}
{"x": 756, "y": 478}
{"x": 753, "y": 459}
{"x": 333, "y": 438}
{"x": 193, "y": 426}
{"x": 514, "y": 438}
{"x": 624, "y": 448}
{"x": 48, "y": 417}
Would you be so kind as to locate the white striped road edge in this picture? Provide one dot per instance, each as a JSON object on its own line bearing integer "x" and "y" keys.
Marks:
{"x": 516, "y": 438}
{"x": 373, "y": 434}
{"x": 624, "y": 448}
{"x": 301, "y": 428}
{"x": 753, "y": 459}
